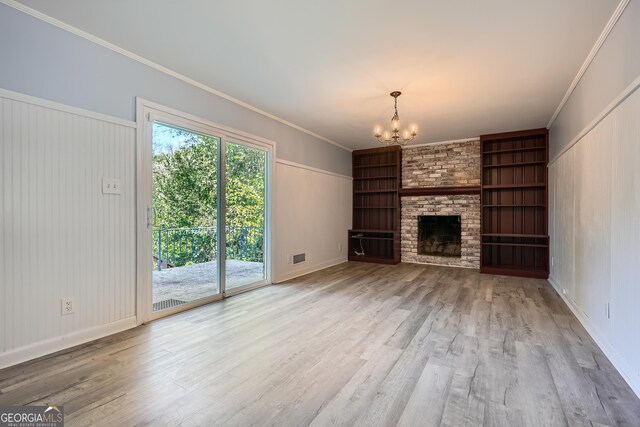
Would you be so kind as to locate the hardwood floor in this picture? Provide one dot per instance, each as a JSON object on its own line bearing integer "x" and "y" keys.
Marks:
{"x": 356, "y": 344}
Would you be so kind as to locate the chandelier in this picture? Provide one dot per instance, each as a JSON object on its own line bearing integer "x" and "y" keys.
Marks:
{"x": 395, "y": 136}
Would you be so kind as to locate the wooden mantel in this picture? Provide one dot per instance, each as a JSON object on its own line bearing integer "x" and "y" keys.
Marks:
{"x": 439, "y": 191}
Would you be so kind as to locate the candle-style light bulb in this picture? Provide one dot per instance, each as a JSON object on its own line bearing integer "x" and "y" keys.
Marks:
{"x": 386, "y": 136}
{"x": 377, "y": 132}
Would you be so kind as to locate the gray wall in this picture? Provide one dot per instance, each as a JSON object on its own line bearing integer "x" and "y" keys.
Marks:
{"x": 42, "y": 60}
{"x": 615, "y": 66}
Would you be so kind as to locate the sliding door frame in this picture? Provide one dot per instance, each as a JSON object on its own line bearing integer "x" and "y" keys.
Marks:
{"x": 269, "y": 161}
{"x": 147, "y": 113}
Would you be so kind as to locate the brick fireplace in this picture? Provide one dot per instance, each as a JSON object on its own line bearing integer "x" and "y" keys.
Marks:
{"x": 435, "y": 180}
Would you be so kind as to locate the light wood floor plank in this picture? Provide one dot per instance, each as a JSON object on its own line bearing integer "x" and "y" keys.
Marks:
{"x": 434, "y": 383}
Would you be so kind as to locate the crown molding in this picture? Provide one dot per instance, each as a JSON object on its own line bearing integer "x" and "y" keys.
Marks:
{"x": 101, "y": 42}
{"x": 592, "y": 54}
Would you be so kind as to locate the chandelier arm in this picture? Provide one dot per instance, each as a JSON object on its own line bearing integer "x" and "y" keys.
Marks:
{"x": 382, "y": 141}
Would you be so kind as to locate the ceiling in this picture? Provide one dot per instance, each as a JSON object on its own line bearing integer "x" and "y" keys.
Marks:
{"x": 465, "y": 67}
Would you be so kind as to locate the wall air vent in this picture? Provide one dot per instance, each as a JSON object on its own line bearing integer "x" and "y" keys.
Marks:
{"x": 297, "y": 259}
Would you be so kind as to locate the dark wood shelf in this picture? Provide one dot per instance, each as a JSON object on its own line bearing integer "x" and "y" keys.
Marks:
{"x": 508, "y": 186}
{"x": 369, "y": 230}
{"x": 524, "y": 245}
{"x": 515, "y": 206}
{"x": 371, "y": 238}
{"x": 377, "y": 260}
{"x": 374, "y": 166}
{"x": 506, "y": 165}
{"x": 518, "y": 271}
{"x": 375, "y": 207}
{"x": 440, "y": 191}
{"x": 514, "y": 220}
{"x": 514, "y": 150}
{"x": 533, "y": 236}
{"x": 368, "y": 178}
{"x": 373, "y": 191}
{"x": 376, "y": 213}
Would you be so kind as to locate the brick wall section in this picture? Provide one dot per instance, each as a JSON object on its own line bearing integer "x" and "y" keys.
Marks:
{"x": 454, "y": 164}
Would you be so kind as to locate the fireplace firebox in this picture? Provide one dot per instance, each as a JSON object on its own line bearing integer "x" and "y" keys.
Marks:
{"x": 439, "y": 235}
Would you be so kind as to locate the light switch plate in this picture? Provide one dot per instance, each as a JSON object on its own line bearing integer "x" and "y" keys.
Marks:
{"x": 111, "y": 186}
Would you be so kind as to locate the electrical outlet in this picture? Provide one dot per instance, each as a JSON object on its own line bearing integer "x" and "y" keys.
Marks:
{"x": 339, "y": 247}
{"x": 289, "y": 259}
{"x": 564, "y": 291}
{"x": 68, "y": 306}
{"x": 551, "y": 261}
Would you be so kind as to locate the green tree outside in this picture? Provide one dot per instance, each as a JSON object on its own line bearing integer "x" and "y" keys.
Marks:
{"x": 185, "y": 196}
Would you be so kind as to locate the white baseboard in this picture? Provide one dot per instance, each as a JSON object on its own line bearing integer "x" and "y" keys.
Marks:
{"x": 614, "y": 357}
{"x": 309, "y": 269}
{"x": 52, "y": 345}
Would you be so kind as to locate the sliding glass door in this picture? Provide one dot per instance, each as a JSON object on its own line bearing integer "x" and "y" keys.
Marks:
{"x": 205, "y": 192}
{"x": 184, "y": 235}
{"x": 246, "y": 201}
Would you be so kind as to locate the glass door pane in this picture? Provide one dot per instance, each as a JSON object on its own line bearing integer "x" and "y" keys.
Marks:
{"x": 184, "y": 232}
{"x": 246, "y": 174}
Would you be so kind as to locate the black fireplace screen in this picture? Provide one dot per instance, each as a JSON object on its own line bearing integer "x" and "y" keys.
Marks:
{"x": 439, "y": 235}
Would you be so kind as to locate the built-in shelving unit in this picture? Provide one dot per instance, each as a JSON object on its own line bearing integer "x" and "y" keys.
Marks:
{"x": 515, "y": 237}
{"x": 376, "y": 205}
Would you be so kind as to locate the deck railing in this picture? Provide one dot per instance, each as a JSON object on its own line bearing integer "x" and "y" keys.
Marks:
{"x": 176, "y": 247}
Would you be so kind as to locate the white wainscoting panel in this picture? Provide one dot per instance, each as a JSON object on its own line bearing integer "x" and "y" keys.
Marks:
{"x": 593, "y": 224}
{"x": 563, "y": 222}
{"x": 595, "y": 187}
{"x": 312, "y": 216}
{"x": 60, "y": 236}
{"x": 625, "y": 233}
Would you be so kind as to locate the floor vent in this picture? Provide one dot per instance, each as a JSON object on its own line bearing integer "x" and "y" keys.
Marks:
{"x": 297, "y": 259}
{"x": 168, "y": 303}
